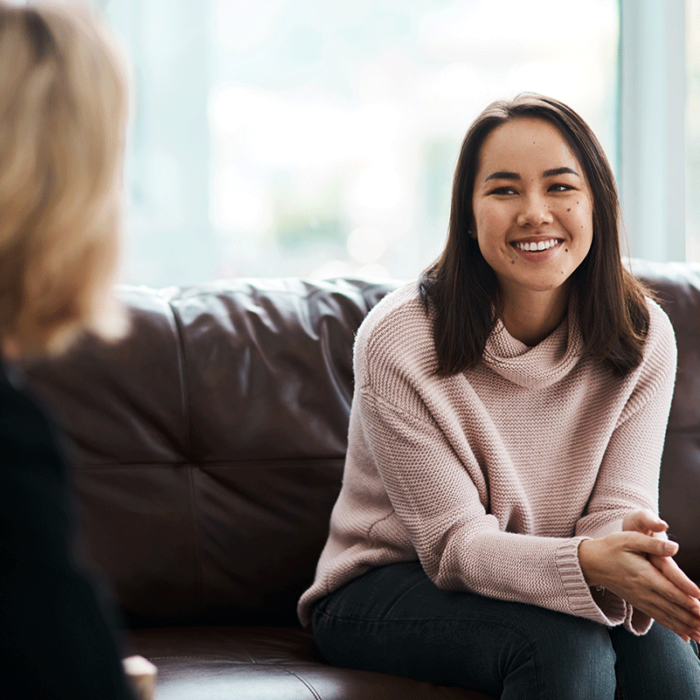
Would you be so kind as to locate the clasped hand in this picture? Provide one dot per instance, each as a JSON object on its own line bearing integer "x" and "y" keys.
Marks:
{"x": 637, "y": 564}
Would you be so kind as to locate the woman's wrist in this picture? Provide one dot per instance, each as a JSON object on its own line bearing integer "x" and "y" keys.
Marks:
{"x": 586, "y": 559}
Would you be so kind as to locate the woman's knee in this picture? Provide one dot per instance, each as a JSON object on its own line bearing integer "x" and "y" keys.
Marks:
{"x": 559, "y": 656}
{"x": 657, "y": 664}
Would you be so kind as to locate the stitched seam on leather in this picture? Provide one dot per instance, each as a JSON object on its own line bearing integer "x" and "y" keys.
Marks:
{"x": 203, "y": 657}
{"x": 224, "y": 464}
{"x": 195, "y": 528}
{"x": 182, "y": 357}
{"x": 299, "y": 678}
{"x": 185, "y": 393}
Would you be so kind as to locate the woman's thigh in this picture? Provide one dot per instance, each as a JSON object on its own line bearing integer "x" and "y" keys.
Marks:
{"x": 395, "y": 620}
{"x": 656, "y": 665}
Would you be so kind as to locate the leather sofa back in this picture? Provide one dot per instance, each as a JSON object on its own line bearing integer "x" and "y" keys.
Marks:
{"x": 208, "y": 446}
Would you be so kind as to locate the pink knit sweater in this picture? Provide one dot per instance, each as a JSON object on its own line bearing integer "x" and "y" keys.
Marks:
{"x": 492, "y": 477}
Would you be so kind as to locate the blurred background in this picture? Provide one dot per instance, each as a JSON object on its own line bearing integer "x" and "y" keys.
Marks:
{"x": 315, "y": 138}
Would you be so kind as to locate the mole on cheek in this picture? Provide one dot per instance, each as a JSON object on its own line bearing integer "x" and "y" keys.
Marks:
{"x": 569, "y": 209}
{"x": 566, "y": 250}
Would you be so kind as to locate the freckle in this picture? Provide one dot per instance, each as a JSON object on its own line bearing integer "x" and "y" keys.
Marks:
{"x": 569, "y": 209}
{"x": 566, "y": 249}
{"x": 512, "y": 262}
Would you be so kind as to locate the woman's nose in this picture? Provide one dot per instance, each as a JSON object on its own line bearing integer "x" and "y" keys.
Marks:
{"x": 534, "y": 211}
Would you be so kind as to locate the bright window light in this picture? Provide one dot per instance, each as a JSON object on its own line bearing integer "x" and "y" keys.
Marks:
{"x": 315, "y": 138}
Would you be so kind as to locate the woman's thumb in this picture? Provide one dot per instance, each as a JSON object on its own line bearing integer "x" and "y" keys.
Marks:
{"x": 666, "y": 547}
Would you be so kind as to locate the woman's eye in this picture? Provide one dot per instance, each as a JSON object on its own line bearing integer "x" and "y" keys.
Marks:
{"x": 560, "y": 188}
{"x": 503, "y": 190}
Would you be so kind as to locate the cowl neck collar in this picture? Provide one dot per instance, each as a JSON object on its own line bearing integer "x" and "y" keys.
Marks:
{"x": 539, "y": 366}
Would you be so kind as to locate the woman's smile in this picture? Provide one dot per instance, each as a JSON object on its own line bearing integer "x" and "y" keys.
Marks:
{"x": 539, "y": 246}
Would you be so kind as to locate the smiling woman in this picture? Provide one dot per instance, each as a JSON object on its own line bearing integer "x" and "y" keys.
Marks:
{"x": 497, "y": 527}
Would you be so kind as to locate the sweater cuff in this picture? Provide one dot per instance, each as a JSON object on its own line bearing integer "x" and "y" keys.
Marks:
{"x": 636, "y": 621}
{"x": 611, "y": 605}
{"x": 603, "y": 606}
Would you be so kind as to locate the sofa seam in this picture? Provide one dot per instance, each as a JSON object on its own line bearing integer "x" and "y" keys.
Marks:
{"x": 205, "y": 462}
{"x": 185, "y": 395}
{"x": 300, "y": 679}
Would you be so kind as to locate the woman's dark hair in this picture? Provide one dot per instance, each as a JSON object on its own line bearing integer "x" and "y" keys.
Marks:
{"x": 463, "y": 290}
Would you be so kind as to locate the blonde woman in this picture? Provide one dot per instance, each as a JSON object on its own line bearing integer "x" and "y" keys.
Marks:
{"x": 63, "y": 105}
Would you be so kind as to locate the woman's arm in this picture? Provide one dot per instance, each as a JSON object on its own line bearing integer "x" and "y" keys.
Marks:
{"x": 626, "y": 553}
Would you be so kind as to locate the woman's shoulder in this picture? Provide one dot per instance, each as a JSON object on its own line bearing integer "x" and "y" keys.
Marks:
{"x": 397, "y": 331}
{"x": 661, "y": 338}
{"x": 397, "y": 312}
{"x": 658, "y": 366}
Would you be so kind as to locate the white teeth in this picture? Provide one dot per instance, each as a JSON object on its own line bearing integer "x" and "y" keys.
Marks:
{"x": 540, "y": 245}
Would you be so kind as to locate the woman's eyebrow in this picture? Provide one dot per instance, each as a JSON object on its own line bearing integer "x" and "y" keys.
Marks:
{"x": 502, "y": 175}
{"x": 559, "y": 171}
{"x": 506, "y": 175}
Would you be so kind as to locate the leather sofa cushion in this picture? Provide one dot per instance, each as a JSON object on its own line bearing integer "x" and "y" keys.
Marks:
{"x": 263, "y": 662}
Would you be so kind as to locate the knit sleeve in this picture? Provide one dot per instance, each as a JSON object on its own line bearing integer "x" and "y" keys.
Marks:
{"x": 459, "y": 544}
{"x": 628, "y": 478}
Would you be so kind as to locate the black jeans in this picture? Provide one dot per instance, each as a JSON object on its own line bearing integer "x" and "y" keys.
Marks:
{"x": 393, "y": 619}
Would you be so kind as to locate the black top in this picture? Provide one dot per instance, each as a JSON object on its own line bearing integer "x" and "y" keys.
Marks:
{"x": 55, "y": 641}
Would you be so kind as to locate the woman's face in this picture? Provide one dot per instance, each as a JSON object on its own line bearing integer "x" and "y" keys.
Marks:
{"x": 533, "y": 208}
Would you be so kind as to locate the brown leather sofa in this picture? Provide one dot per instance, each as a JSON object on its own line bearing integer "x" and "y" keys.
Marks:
{"x": 208, "y": 451}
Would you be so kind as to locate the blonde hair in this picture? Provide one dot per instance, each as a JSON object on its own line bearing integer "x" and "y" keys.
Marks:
{"x": 63, "y": 113}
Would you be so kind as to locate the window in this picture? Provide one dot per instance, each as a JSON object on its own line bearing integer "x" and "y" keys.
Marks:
{"x": 652, "y": 127}
{"x": 693, "y": 131}
{"x": 309, "y": 138}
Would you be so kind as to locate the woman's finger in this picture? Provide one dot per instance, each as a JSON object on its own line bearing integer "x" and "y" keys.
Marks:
{"x": 674, "y": 617}
{"x": 683, "y": 630}
{"x": 663, "y": 586}
{"x": 671, "y": 611}
{"x": 668, "y": 604}
{"x": 665, "y": 603}
{"x": 638, "y": 542}
{"x": 668, "y": 567}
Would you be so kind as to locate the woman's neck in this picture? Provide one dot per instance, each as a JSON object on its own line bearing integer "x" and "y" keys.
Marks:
{"x": 531, "y": 317}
